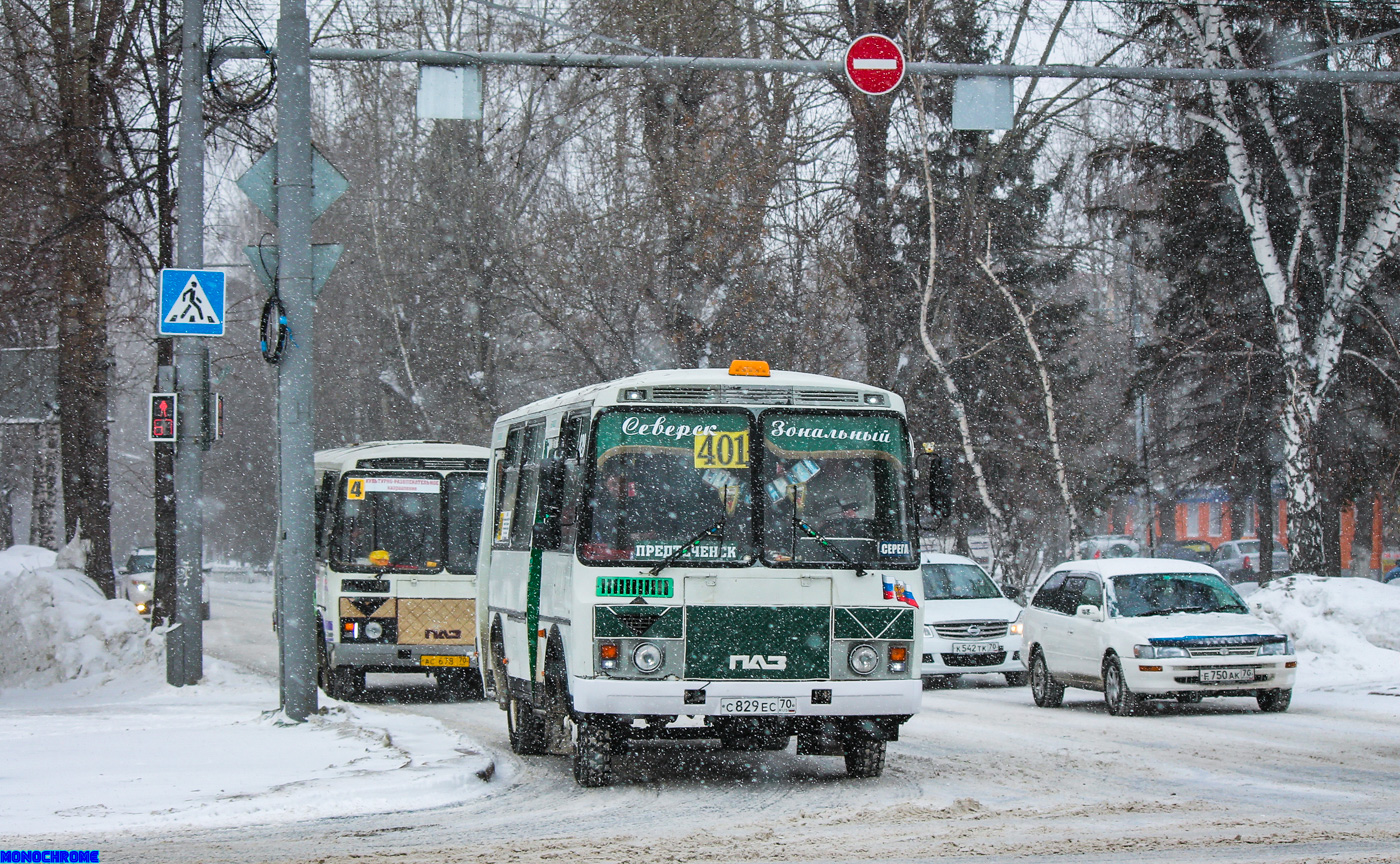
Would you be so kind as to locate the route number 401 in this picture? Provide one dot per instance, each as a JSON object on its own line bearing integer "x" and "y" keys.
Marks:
{"x": 722, "y": 450}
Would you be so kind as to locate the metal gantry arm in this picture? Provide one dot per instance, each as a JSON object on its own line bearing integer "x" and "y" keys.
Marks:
{"x": 574, "y": 60}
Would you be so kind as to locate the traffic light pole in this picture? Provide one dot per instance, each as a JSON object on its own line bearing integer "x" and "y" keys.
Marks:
{"x": 184, "y": 642}
{"x": 296, "y": 474}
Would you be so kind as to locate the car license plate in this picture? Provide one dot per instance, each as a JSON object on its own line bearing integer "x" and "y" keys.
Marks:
{"x": 443, "y": 660}
{"x": 759, "y": 705}
{"x": 1226, "y": 676}
{"x": 975, "y": 647}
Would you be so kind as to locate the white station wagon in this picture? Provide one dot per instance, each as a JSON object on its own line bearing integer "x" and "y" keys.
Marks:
{"x": 1151, "y": 628}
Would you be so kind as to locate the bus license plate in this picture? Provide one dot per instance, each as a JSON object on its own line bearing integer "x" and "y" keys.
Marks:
{"x": 443, "y": 660}
{"x": 975, "y": 647}
{"x": 779, "y": 705}
{"x": 1226, "y": 676}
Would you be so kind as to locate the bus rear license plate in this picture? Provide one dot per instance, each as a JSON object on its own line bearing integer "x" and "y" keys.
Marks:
{"x": 975, "y": 647}
{"x": 441, "y": 660}
{"x": 781, "y": 705}
{"x": 1226, "y": 676}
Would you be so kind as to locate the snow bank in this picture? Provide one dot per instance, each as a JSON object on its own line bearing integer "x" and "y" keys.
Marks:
{"x": 1346, "y": 630}
{"x": 55, "y": 625}
{"x": 130, "y": 753}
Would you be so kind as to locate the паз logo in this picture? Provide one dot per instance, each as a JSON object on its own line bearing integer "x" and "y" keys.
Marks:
{"x": 773, "y": 662}
{"x": 442, "y": 634}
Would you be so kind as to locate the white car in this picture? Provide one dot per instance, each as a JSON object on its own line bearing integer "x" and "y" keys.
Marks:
{"x": 137, "y": 581}
{"x": 1151, "y": 628}
{"x": 969, "y": 627}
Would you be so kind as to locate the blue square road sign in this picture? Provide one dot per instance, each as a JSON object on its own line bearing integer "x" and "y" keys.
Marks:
{"x": 191, "y": 303}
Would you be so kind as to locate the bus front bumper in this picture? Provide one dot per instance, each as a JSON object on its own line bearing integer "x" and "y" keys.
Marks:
{"x": 809, "y": 698}
{"x": 401, "y": 658}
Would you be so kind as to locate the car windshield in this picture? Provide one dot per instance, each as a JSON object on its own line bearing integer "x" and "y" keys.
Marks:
{"x": 834, "y": 484}
{"x": 1248, "y": 547}
{"x": 1142, "y": 594}
{"x": 390, "y": 522}
{"x": 663, "y": 480}
{"x": 957, "y": 582}
{"x": 140, "y": 563}
{"x": 466, "y": 496}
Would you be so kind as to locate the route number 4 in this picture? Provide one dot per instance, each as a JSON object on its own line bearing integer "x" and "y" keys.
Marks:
{"x": 722, "y": 450}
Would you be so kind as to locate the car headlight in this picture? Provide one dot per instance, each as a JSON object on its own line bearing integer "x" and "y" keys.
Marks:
{"x": 1158, "y": 652}
{"x": 373, "y": 630}
{"x": 928, "y": 631}
{"x": 1014, "y": 628}
{"x": 141, "y": 586}
{"x": 1284, "y": 647}
{"x": 648, "y": 657}
{"x": 864, "y": 659}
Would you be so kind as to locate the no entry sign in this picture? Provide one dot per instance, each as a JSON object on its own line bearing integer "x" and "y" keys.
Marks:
{"x": 874, "y": 64}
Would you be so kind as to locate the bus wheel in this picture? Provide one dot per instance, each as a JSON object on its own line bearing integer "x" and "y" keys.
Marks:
{"x": 865, "y": 757}
{"x": 525, "y": 729}
{"x": 346, "y": 684}
{"x": 455, "y": 685}
{"x": 593, "y": 749}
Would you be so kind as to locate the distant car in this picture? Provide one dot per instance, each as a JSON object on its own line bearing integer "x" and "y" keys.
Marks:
{"x": 969, "y": 625}
{"x": 1202, "y": 547}
{"x": 1184, "y": 552}
{"x": 1151, "y": 628}
{"x": 1110, "y": 546}
{"x": 137, "y": 580}
{"x": 1392, "y": 576}
{"x": 1238, "y": 560}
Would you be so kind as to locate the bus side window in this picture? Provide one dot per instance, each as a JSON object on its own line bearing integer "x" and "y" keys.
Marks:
{"x": 531, "y": 455}
{"x": 325, "y": 499}
{"x": 507, "y": 487}
{"x": 573, "y": 436}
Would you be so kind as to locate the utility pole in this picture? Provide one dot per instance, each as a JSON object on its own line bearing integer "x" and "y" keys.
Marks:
{"x": 1146, "y": 508}
{"x": 296, "y": 474}
{"x": 184, "y": 643}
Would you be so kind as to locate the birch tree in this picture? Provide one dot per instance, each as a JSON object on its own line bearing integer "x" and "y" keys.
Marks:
{"x": 1342, "y": 258}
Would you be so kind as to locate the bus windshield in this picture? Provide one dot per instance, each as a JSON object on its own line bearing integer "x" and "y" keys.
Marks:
{"x": 390, "y": 522}
{"x": 664, "y": 479}
{"x": 466, "y": 496}
{"x": 835, "y": 485}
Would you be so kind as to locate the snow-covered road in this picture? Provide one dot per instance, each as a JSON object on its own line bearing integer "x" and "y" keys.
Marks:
{"x": 980, "y": 774}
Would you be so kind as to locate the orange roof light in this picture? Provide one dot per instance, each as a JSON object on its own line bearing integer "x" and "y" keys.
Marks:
{"x": 756, "y": 368}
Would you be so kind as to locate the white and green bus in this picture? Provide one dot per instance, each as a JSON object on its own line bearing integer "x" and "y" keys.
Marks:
{"x": 703, "y": 554}
{"x": 397, "y": 527}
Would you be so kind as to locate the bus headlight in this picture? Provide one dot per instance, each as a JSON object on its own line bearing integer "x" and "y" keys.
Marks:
{"x": 864, "y": 659}
{"x": 648, "y": 657}
{"x": 374, "y": 630}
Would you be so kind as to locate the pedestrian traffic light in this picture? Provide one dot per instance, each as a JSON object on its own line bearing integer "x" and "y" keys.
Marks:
{"x": 164, "y": 417}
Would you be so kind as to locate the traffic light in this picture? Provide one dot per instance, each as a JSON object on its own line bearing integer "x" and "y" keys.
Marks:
{"x": 164, "y": 417}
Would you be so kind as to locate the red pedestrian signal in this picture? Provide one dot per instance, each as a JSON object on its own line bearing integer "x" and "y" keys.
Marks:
{"x": 164, "y": 417}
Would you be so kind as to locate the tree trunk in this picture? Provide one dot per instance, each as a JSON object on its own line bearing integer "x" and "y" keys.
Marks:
{"x": 1300, "y": 465}
{"x": 44, "y": 498}
{"x": 1264, "y": 503}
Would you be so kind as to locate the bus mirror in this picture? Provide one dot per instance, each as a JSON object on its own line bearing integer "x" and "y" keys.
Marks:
{"x": 940, "y": 487}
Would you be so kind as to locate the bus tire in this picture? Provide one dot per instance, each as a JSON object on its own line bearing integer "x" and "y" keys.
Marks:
{"x": 593, "y": 751}
{"x": 865, "y": 758}
{"x": 525, "y": 729}
{"x": 347, "y": 683}
{"x": 456, "y": 685}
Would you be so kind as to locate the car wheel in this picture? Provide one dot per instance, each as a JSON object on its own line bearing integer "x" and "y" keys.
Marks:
{"x": 593, "y": 751}
{"x": 1274, "y": 701}
{"x": 1046, "y": 691}
{"x": 1121, "y": 701}
{"x": 865, "y": 758}
{"x": 1017, "y": 679}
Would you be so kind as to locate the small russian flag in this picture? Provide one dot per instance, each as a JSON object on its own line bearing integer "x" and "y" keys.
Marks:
{"x": 905, "y": 596}
{"x": 888, "y": 585}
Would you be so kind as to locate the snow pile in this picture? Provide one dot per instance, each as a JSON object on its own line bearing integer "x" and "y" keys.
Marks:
{"x": 55, "y": 624}
{"x": 131, "y": 753}
{"x": 1346, "y": 630}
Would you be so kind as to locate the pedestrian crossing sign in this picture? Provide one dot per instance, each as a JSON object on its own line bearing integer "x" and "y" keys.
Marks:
{"x": 191, "y": 303}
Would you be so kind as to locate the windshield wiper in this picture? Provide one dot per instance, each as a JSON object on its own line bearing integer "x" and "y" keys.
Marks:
{"x": 675, "y": 556}
{"x": 826, "y": 544}
{"x": 1173, "y": 610}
